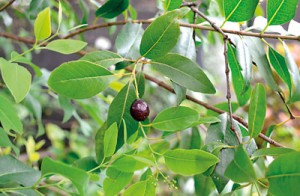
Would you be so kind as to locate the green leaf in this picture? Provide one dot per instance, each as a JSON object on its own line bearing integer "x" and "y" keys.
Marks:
{"x": 257, "y": 110}
{"x": 13, "y": 170}
{"x": 120, "y": 109}
{"x": 146, "y": 175}
{"x": 175, "y": 119}
{"x": 34, "y": 106}
{"x": 15, "y": 57}
{"x": 271, "y": 152}
{"x": 180, "y": 92}
{"x": 129, "y": 39}
{"x": 223, "y": 106}
{"x": 42, "y": 25}
{"x": 239, "y": 84}
{"x": 78, "y": 177}
{"x": 245, "y": 60}
{"x": 140, "y": 78}
{"x": 189, "y": 162}
{"x": 9, "y": 117}
{"x": 284, "y": 174}
{"x": 207, "y": 120}
{"x": 16, "y": 78}
{"x": 239, "y": 10}
{"x": 35, "y": 7}
{"x": 4, "y": 139}
{"x": 104, "y": 58}
{"x": 115, "y": 181}
{"x": 99, "y": 143}
{"x": 186, "y": 44}
{"x": 66, "y": 46}
{"x": 67, "y": 106}
{"x": 295, "y": 75}
{"x": 162, "y": 34}
{"x": 172, "y": 4}
{"x": 203, "y": 185}
{"x": 240, "y": 169}
{"x": 112, "y": 8}
{"x": 110, "y": 140}
{"x": 79, "y": 79}
{"x": 221, "y": 133}
{"x": 87, "y": 164}
{"x": 196, "y": 139}
{"x": 184, "y": 72}
{"x": 280, "y": 11}
{"x": 143, "y": 188}
{"x": 260, "y": 58}
{"x": 280, "y": 66}
{"x": 131, "y": 163}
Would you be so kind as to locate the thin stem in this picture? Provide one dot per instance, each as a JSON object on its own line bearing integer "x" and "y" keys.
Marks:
{"x": 287, "y": 107}
{"x": 228, "y": 96}
{"x": 166, "y": 86}
{"x": 227, "y": 71}
{"x": 207, "y": 106}
{"x": 195, "y": 26}
{"x": 6, "y": 5}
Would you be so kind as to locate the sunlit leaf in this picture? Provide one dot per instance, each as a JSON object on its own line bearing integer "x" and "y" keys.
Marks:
{"x": 281, "y": 11}
{"x": 66, "y": 46}
{"x": 129, "y": 39}
{"x": 184, "y": 72}
{"x": 9, "y": 116}
{"x": 280, "y": 66}
{"x": 257, "y": 110}
{"x": 16, "y": 78}
{"x": 295, "y": 75}
{"x": 189, "y": 162}
{"x": 104, "y": 58}
{"x": 162, "y": 34}
{"x": 143, "y": 188}
{"x": 241, "y": 88}
{"x": 42, "y": 25}
{"x": 110, "y": 140}
{"x": 239, "y": 10}
{"x": 79, "y": 79}
{"x": 284, "y": 174}
{"x": 175, "y": 119}
{"x": 271, "y": 152}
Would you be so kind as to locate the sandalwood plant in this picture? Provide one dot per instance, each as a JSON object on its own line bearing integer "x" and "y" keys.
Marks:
{"x": 147, "y": 116}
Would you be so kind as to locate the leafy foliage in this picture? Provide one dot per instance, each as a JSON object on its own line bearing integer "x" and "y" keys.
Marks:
{"x": 99, "y": 148}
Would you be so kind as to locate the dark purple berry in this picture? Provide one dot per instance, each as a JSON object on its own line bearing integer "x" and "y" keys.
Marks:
{"x": 139, "y": 110}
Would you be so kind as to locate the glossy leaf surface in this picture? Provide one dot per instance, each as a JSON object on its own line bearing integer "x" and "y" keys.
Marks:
{"x": 175, "y": 119}
{"x": 112, "y": 8}
{"x": 184, "y": 72}
{"x": 66, "y": 46}
{"x": 16, "y": 78}
{"x": 189, "y": 162}
{"x": 257, "y": 110}
{"x": 79, "y": 79}
{"x": 78, "y": 177}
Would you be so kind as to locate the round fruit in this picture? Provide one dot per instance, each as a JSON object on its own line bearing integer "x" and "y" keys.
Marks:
{"x": 139, "y": 110}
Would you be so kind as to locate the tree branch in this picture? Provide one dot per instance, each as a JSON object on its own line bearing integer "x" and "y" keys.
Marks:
{"x": 194, "y": 26}
{"x": 227, "y": 70}
{"x": 206, "y": 105}
{"x": 163, "y": 85}
{"x": 287, "y": 107}
{"x": 6, "y": 5}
